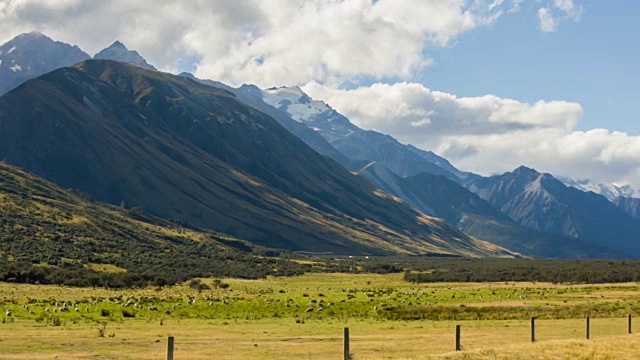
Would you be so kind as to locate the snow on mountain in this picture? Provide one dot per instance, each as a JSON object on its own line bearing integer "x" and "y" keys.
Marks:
{"x": 295, "y": 102}
{"x": 33, "y": 54}
{"x": 118, "y": 52}
{"x": 355, "y": 143}
{"x": 610, "y": 191}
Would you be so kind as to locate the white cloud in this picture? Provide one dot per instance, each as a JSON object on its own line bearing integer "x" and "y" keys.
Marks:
{"x": 270, "y": 42}
{"x": 546, "y": 20}
{"x": 549, "y": 17}
{"x": 489, "y": 134}
{"x": 569, "y": 8}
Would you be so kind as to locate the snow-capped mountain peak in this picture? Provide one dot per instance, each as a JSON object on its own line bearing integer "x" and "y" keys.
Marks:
{"x": 32, "y": 54}
{"x": 610, "y": 191}
{"x": 295, "y": 102}
{"x": 119, "y": 52}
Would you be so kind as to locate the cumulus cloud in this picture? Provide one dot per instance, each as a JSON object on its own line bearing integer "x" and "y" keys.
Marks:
{"x": 267, "y": 42}
{"x": 550, "y": 16}
{"x": 489, "y": 134}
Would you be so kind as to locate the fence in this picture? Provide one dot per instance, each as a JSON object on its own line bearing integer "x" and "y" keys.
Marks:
{"x": 458, "y": 336}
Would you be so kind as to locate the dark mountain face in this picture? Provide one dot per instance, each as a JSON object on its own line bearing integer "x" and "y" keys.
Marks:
{"x": 33, "y": 54}
{"x": 440, "y": 197}
{"x": 117, "y": 51}
{"x": 541, "y": 202}
{"x": 184, "y": 150}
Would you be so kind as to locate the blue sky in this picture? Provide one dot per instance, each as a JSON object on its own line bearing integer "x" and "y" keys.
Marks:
{"x": 595, "y": 62}
{"x": 488, "y": 84}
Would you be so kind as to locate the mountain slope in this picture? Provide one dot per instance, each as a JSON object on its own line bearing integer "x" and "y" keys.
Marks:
{"x": 184, "y": 150}
{"x": 32, "y": 54}
{"x": 252, "y": 95}
{"x": 62, "y": 232}
{"x": 541, "y": 202}
{"x": 117, "y": 51}
{"x": 355, "y": 143}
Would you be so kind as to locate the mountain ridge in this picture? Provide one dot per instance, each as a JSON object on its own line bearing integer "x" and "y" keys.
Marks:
{"x": 119, "y": 52}
{"x": 228, "y": 158}
{"x": 540, "y": 201}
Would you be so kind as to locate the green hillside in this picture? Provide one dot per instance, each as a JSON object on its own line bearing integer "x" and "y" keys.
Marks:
{"x": 52, "y": 235}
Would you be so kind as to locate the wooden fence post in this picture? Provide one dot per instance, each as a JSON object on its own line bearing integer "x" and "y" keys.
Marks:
{"x": 347, "y": 356}
{"x": 587, "y": 328}
{"x": 170, "y": 348}
{"x": 629, "y": 324}
{"x": 533, "y": 329}
{"x": 458, "y": 347}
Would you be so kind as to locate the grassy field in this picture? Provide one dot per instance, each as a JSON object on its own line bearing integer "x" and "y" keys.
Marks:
{"x": 280, "y": 318}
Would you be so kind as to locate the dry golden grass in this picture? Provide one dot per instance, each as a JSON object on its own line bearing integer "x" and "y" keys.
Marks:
{"x": 280, "y": 339}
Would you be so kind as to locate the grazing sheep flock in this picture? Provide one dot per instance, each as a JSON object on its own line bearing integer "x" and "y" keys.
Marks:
{"x": 364, "y": 300}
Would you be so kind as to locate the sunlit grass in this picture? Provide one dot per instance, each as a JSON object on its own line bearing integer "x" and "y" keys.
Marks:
{"x": 259, "y": 319}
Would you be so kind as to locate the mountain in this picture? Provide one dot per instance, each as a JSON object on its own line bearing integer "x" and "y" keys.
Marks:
{"x": 183, "y": 150}
{"x": 441, "y": 197}
{"x": 423, "y": 179}
{"x": 610, "y": 191}
{"x": 32, "y": 54}
{"x": 252, "y": 95}
{"x": 117, "y": 51}
{"x": 541, "y": 202}
{"x": 353, "y": 142}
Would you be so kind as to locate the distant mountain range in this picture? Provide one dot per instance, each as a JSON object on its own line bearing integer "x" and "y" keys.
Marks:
{"x": 542, "y": 202}
{"x": 430, "y": 183}
{"x": 217, "y": 159}
{"x": 610, "y": 191}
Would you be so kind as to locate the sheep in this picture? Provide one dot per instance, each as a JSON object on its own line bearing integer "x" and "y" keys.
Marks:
{"x": 8, "y": 312}
{"x": 309, "y": 310}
